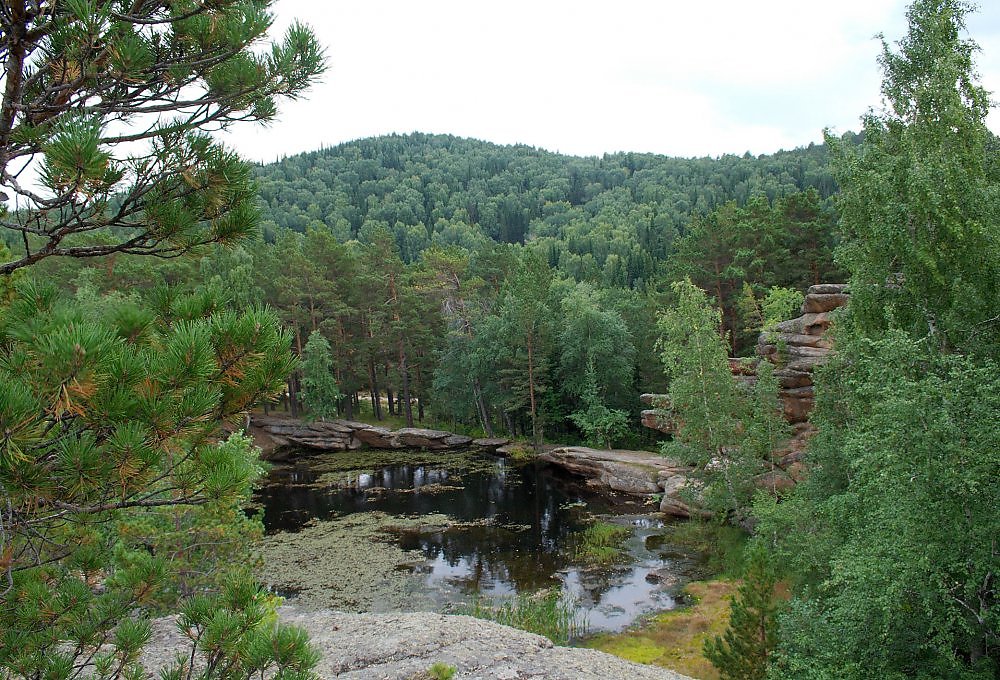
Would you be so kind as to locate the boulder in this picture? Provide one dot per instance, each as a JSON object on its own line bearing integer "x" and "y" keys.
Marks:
{"x": 797, "y": 403}
{"x": 375, "y": 436}
{"x": 677, "y": 491}
{"x": 658, "y": 419}
{"x": 790, "y": 379}
{"x": 823, "y": 302}
{"x": 828, "y": 289}
{"x": 638, "y": 473}
{"x": 655, "y": 400}
{"x": 490, "y": 443}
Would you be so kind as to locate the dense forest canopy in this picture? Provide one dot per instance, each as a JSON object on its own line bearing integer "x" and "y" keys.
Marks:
{"x": 500, "y": 287}
{"x": 444, "y": 190}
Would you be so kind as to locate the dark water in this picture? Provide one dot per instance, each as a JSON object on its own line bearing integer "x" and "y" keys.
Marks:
{"x": 516, "y": 530}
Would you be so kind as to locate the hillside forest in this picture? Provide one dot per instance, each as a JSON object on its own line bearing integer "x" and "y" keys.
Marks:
{"x": 501, "y": 290}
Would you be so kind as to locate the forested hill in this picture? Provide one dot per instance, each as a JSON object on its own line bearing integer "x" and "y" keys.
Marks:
{"x": 502, "y": 287}
{"x": 441, "y": 189}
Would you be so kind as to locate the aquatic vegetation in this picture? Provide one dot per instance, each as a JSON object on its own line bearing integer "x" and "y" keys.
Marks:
{"x": 600, "y": 544}
{"x": 521, "y": 452}
{"x": 407, "y": 537}
{"x": 348, "y": 563}
{"x": 546, "y": 613}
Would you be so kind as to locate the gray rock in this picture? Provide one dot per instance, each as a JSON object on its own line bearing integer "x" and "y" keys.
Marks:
{"x": 401, "y": 646}
{"x": 273, "y": 434}
{"x": 827, "y": 289}
{"x": 490, "y": 443}
{"x": 656, "y": 400}
{"x": 640, "y": 473}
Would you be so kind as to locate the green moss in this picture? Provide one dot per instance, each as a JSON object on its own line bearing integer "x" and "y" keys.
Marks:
{"x": 637, "y": 649}
{"x": 441, "y": 671}
{"x": 674, "y": 639}
{"x": 521, "y": 452}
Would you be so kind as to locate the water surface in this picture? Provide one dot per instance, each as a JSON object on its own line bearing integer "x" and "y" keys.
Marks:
{"x": 457, "y": 526}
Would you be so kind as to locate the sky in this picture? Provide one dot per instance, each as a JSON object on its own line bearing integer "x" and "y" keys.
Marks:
{"x": 700, "y": 78}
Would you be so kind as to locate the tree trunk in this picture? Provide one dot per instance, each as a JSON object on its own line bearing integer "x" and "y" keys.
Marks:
{"x": 373, "y": 384}
{"x": 419, "y": 385}
{"x": 388, "y": 396}
{"x": 481, "y": 410}
{"x": 404, "y": 374}
{"x": 293, "y": 397}
{"x": 536, "y": 428}
{"x": 509, "y": 424}
{"x": 293, "y": 391}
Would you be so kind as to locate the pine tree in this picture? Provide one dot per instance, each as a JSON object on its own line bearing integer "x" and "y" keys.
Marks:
{"x": 114, "y": 462}
{"x": 319, "y": 389}
{"x": 742, "y": 652}
{"x": 114, "y": 102}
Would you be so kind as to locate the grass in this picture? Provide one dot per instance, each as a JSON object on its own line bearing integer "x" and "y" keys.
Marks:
{"x": 600, "y": 543}
{"x": 674, "y": 639}
{"x": 521, "y": 452}
{"x": 545, "y": 613}
{"x": 721, "y": 544}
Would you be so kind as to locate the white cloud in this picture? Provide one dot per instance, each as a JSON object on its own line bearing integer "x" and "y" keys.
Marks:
{"x": 681, "y": 78}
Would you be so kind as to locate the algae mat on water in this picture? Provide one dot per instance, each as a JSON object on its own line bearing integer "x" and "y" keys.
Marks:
{"x": 348, "y": 563}
{"x": 674, "y": 639}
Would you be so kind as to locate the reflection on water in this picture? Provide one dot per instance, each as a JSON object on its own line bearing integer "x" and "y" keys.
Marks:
{"x": 512, "y": 529}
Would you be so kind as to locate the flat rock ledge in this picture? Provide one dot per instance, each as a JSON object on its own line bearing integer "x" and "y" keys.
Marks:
{"x": 404, "y": 646}
{"x": 274, "y": 434}
{"x": 639, "y": 473}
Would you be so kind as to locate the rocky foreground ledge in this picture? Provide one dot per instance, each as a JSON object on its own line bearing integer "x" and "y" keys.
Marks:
{"x": 404, "y": 646}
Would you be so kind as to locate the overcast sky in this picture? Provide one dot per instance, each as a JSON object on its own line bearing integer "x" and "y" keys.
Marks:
{"x": 698, "y": 78}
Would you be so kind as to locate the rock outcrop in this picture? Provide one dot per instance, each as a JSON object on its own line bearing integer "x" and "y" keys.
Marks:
{"x": 795, "y": 347}
{"x": 405, "y": 646}
{"x": 639, "y": 473}
{"x": 275, "y": 434}
{"x": 657, "y": 417}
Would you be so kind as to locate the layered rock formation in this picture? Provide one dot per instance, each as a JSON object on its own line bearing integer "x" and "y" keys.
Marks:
{"x": 657, "y": 417}
{"x": 795, "y": 347}
{"x": 798, "y": 345}
{"x": 639, "y": 473}
{"x": 276, "y": 434}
